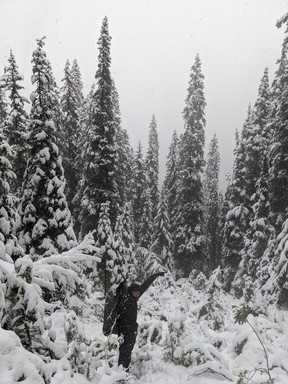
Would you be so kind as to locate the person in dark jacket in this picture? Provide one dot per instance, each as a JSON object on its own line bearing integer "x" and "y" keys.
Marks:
{"x": 126, "y": 322}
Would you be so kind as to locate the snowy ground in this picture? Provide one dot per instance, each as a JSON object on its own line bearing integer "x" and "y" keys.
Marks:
{"x": 177, "y": 322}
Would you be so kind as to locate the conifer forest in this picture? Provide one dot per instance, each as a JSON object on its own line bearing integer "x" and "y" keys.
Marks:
{"x": 81, "y": 210}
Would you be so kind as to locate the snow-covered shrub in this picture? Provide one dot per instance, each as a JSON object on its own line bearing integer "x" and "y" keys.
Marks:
{"x": 25, "y": 307}
{"x": 87, "y": 354}
{"x": 187, "y": 356}
{"x": 213, "y": 312}
{"x": 62, "y": 277}
{"x": 150, "y": 332}
{"x": 19, "y": 365}
{"x": 197, "y": 279}
{"x": 176, "y": 329}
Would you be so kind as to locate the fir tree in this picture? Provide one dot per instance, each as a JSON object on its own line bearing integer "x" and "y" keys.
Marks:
{"x": 99, "y": 181}
{"x": 77, "y": 81}
{"x": 256, "y": 137}
{"x": 69, "y": 148}
{"x": 7, "y": 210}
{"x": 45, "y": 220}
{"x": 212, "y": 203}
{"x": 152, "y": 164}
{"x": 162, "y": 239}
{"x": 238, "y": 215}
{"x": 85, "y": 122}
{"x": 273, "y": 273}
{"x": 123, "y": 151}
{"x": 3, "y": 102}
{"x": 146, "y": 221}
{"x": 261, "y": 231}
{"x": 171, "y": 179}
{"x": 278, "y": 157}
{"x": 190, "y": 239}
{"x": 125, "y": 245}
{"x": 15, "y": 125}
{"x": 139, "y": 187}
{"x": 110, "y": 270}
{"x": 25, "y": 309}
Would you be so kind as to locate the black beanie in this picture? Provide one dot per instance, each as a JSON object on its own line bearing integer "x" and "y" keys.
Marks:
{"x": 135, "y": 286}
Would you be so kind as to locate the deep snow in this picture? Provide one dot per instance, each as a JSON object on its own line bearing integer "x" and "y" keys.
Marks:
{"x": 179, "y": 321}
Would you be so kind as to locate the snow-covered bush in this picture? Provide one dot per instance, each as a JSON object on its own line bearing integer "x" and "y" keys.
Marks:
{"x": 176, "y": 329}
{"x": 197, "y": 279}
{"x": 86, "y": 354}
{"x": 25, "y": 308}
{"x": 19, "y": 365}
{"x": 150, "y": 332}
{"x": 62, "y": 277}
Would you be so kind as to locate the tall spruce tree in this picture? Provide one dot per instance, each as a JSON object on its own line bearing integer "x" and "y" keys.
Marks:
{"x": 238, "y": 215}
{"x": 152, "y": 164}
{"x": 171, "y": 180}
{"x": 257, "y": 143}
{"x": 162, "y": 243}
{"x": 261, "y": 230}
{"x": 125, "y": 245}
{"x": 85, "y": 116}
{"x": 124, "y": 152}
{"x": 70, "y": 127}
{"x": 278, "y": 157}
{"x": 77, "y": 81}
{"x": 146, "y": 221}
{"x": 9, "y": 244}
{"x": 212, "y": 203}
{"x": 15, "y": 125}
{"x": 256, "y": 137}
{"x": 3, "y": 101}
{"x": 45, "y": 220}
{"x": 99, "y": 181}
{"x": 139, "y": 188}
{"x": 110, "y": 270}
{"x": 190, "y": 241}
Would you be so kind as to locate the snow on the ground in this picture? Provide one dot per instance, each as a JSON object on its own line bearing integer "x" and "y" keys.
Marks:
{"x": 186, "y": 335}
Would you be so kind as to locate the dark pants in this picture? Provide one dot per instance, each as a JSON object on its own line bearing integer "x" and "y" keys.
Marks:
{"x": 126, "y": 348}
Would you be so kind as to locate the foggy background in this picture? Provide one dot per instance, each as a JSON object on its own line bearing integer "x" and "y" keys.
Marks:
{"x": 154, "y": 44}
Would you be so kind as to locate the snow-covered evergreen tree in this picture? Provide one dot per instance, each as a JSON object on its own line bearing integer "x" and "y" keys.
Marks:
{"x": 9, "y": 243}
{"x": 152, "y": 164}
{"x": 146, "y": 221}
{"x": 257, "y": 239}
{"x": 3, "y": 101}
{"x": 25, "y": 308}
{"x": 45, "y": 219}
{"x": 138, "y": 189}
{"x": 189, "y": 240}
{"x": 110, "y": 268}
{"x": 171, "y": 179}
{"x": 124, "y": 152}
{"x": 272, "y": 273}
{"x": 99, "y": 181}
{"x": 70, "y": 127}
{"x": 212, "y": 203}
{"x": 278, "y": 157}
{"x": 125, "y": 245}
{"x": 78, "y": 84}
{"x": 256, "y": 137}
{"x": 238, "y": 215}
{"x": 85, "y": 122}
{"x": 15, "y": 125}
{"x": 162, "y": 243}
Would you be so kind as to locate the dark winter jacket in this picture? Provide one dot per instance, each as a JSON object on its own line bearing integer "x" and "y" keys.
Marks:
{"x": 127, "y": 312}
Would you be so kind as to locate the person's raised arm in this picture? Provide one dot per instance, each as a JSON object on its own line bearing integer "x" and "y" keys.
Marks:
{"x": 149, "y": 281}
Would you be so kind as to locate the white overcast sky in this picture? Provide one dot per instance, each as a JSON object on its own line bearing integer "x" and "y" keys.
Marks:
{"x": 154, "y": 43}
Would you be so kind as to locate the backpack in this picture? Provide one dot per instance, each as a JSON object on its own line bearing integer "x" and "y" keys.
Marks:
{"x": 113, "y": 300}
